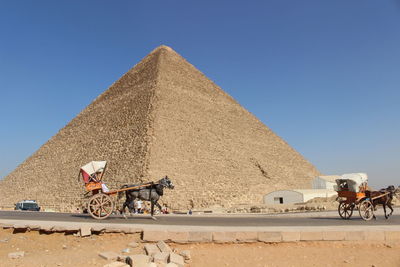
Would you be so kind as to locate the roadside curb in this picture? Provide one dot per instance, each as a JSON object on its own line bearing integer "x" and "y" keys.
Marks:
{"x": 214, "y": 234}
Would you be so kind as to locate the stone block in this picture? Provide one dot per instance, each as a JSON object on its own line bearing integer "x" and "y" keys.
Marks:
{"x": 163, "y": 247}
{"x": 116, "y": 264}
{"x": 177, "y": 259}
{"x": 151, "y": 249}
{"x": 186, "y": 255}
{"x": 200, "y": 237}
{"x": 355, "y": 235}
{"x": 140, "y": 260}
{"x": 334, "y": 235}
{"x": 178, "y": 236}
{"x": 375, "y": 235}
{"x": 311, "y": 236}
{"x": 154, "y": 236}
{"x": 161, "y": 258}
{"x": 86, "y": 230}
{"x": 247, "y": 237}
{"x": 16, "y": 255}
{"x": 392, "y": 235}
{"x": 269, "y": 237}
{"x": 224, "y": 237}
{"x": 109, "y": 255}
{"x": 290, "y": 236}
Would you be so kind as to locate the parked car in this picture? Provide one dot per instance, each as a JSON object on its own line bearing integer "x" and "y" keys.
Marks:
{"x": 30, "y": 205}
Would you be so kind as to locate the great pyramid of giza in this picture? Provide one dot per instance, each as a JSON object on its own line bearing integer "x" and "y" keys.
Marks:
{"x": 163, "y": 117}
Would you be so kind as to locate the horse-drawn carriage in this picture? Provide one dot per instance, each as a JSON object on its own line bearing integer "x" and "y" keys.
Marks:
{"x": 353, "y": 193}
{"x": 101, "y": 203}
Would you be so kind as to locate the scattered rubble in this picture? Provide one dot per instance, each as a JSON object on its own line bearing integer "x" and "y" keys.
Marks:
{"x": 16, "y": 255}
{"x": 109, "y": 255}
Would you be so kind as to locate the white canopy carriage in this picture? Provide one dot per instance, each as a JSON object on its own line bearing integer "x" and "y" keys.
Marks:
{"x": 353, "y": 182}
{"x": 94, "y": 170}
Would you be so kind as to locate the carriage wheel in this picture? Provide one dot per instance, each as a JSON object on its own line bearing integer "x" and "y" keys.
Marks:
{"x": 366, "y": 210}
{"x": 100, "y": 206}
{"x": 345, "y": 210}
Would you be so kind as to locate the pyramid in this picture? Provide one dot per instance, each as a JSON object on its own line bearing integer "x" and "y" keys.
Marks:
{"x": 163, "y": 117}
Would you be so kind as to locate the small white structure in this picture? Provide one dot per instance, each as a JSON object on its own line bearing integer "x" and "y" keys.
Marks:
{"x": 296, "y": 196}
{"x": 325, "y": 182}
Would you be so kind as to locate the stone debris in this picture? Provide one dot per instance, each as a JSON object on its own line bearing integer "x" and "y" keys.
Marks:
{"x": 116, "y": 264}
{"x": 186, "y": 255}
{"x": 152, "y": 264}
{"x": 140, "y": 260}
{"x": 170, "y": 264}
{"x": 109, "y": 255}
{"x": 64, "y": 246}
{"x": 151, "y": 249}
{"x": 133, "y": 244}
{"x": 4, "y": 240}
{"x": 161, "y": 258}
{"x": 163, "y": 247}
{"x": 86, "y": 231}
{"x": 177, "y": 259}
{"x": 16, "y": 255}
{"x": 126, "y": 250}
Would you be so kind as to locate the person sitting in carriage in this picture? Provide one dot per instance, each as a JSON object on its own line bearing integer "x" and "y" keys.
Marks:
{"x": 92, "y": 173}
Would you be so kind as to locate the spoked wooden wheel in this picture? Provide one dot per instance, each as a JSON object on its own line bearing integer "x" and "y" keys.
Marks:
{"x": 366, "y": 210}
{"x": 345, "y": 210}
{"x": 100, "y": 206}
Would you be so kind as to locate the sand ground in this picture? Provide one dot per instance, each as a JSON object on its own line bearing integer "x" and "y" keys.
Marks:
{"x": 68, "y": 250}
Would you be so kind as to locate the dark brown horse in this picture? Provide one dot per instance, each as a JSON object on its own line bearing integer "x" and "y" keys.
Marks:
{"x": 383, "y": 197}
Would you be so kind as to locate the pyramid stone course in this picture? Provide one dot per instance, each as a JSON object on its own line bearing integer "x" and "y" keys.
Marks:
{"x": 163, "y": 117}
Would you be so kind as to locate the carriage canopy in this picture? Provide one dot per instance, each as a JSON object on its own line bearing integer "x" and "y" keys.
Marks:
{"x": 92, "y": 169}
{"x": 351, "y": 181}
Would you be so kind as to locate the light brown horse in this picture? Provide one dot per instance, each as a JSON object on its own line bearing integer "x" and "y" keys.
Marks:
{"x": 383, "y": 197}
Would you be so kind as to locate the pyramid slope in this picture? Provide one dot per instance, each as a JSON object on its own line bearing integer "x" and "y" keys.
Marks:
{"x": 163, "y": 117}
{"x": 217, "y": 152}
{"x": 114, "y": 128}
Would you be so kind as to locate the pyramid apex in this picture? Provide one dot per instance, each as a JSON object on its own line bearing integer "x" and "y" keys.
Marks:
{"x": 164, "y": 47}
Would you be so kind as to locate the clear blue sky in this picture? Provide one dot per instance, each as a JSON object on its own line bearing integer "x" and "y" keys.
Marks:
{"x": 324, "y": 75}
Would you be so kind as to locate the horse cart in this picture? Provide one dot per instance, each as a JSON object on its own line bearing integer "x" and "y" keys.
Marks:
{"x": 101, "y": 204}
{"x": 353, "y": 193}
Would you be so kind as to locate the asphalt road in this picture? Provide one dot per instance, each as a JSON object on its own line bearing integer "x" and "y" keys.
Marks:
{"x": 332, "y": 219}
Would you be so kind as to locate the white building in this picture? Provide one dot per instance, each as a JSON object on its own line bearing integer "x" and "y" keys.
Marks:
{"x": 296, "y": 196}
{"x": 325, "y": 182}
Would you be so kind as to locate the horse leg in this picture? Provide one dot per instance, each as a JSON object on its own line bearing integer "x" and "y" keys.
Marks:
{"x": 391, "y": 209}
{"x": 384, "y": 210}
{"x": 152, "y": 209}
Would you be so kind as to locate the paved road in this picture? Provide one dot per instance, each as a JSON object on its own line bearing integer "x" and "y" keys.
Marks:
{"x": 332, "y": 219}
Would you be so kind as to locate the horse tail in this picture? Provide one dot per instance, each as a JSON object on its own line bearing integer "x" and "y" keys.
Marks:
{"x": 121, "y": 192}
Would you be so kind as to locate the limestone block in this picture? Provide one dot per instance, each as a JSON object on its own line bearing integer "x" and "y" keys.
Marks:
{"x": 86, "y": 230}
{"x": 140, "y": 260}
{"x": 290, "y": 236}
{"x": 355, "y": 235}
{"x": 154, "y": 236}
{"x": 178, "y": 236}
{"x": 224, "y": 237}
{"x": 151, "y": 249}
{"x": 311, "y": 236}
{"x": 392, "y": 235}
{"x": 247, "y": 236}
{"x": 161, "y": 258}
{"x": 163, "y": 247}
{"x": 109, "y": 255}
{"x": 269, "y": 237}
{"x": 374, "y": 235}
{"x": 177, "y": 259}
{"x": 186, "y": 255}
{"x": 333, "y": 235}
{"x": 200, "y": 237}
